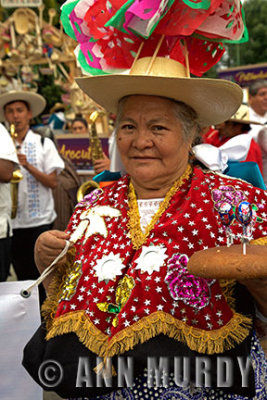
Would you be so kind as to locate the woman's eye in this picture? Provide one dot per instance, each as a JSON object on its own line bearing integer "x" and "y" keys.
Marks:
{"x": 127, "y": 127}
{"x": 159, "y": 128}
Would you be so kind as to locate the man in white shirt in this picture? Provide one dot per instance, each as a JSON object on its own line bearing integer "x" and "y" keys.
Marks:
{"x": 258, "y": 113}
{"x": 8, "y": 161}
{"x": 258, "y": 105}
{"x": 40, "y": 164}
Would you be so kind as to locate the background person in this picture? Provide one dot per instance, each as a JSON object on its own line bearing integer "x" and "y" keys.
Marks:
{"x": 57, "y": 118}
{"x": 258, "y": 105}
{"x": 239, "y": 124}
{"x": 79, "y": 125}
{"x": 258, "y": 111}
{"x": 124, "y": 292}
{"x": 8, "y": 161}
{"x": 65, "y": 193}
{"x": 40, "y": 164}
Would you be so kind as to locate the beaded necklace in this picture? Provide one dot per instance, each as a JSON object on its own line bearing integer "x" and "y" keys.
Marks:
{"x": 137, "y": 236}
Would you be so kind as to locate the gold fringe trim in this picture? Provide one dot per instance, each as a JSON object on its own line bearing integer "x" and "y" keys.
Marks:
{"x": 202, "y": 341}
{"x": 78, "y": 323}
{"x": 261, "y": 241}
{"x": 207, "y": 342}
{"x": 137, "y": 236}
{"x": 227, "y": 286}
{"x": 50, "y": 305}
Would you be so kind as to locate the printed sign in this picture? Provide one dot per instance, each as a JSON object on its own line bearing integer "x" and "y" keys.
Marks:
{"x": 77, "y": 148}
{"x": 244, "y": 76}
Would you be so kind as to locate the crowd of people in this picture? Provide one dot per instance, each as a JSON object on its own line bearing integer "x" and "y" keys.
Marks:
{"x": 46, "y": 194}
{"x": 122, "y": 289}
{"x": 250, "y": 119}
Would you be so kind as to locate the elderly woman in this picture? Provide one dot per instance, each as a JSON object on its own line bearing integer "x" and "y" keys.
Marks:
{"x": 122, "y": 304}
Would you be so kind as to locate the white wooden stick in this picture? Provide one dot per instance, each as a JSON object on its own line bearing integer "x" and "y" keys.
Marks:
{"x": 244, "y": 248}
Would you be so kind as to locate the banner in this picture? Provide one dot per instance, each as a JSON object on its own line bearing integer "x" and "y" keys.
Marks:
{"x": 77, "y": 148}
{"x": 244, "y": 75}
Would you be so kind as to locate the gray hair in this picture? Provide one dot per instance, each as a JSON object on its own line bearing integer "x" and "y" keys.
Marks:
{"x": 256, "y": 86}
{"x": 185, "y": 115}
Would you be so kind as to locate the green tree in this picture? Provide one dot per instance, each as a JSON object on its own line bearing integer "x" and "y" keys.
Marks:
{"x": 51, "y": 92}
{"x": 255, "y": 50}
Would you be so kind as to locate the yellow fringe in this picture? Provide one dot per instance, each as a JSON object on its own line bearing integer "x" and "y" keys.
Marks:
{"x": 208, "y": 342}
{"x": 137, "y": 236}
{"x": 227, "y": 286}
{"x": 202, "y": 341}
{"x": 50, "y": 305}
{"x": 261, "y": 241}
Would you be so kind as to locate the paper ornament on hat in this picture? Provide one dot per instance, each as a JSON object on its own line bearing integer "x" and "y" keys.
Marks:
{"x": 111, "y": 33}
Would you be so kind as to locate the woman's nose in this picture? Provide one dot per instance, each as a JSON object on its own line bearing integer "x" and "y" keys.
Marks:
{"x": 142, "y": 139}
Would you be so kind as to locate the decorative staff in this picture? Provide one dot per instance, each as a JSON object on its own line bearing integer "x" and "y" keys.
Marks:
{"x": 243, "y": 214}
{"x": 17, "y": 177}
{"x": 227, "y": 216}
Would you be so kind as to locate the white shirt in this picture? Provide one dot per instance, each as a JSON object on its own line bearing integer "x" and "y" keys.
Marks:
{"x": 253, "y": 116}
{"x": 35, "y": 201}
{"x": 259, "y": 134}
{"x": 7, "y": 152}
{"x": 262, "y": 141}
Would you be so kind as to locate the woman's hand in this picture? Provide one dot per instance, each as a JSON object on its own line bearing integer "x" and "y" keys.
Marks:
{"x": 47, "y": 247}
{"x": 102, "y": 164}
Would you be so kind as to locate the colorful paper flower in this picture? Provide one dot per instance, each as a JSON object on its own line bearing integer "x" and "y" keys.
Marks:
{"x": 110, "y": 32}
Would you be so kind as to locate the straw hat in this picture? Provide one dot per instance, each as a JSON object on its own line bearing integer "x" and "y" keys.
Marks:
{"x": 243, "y": 116}
{"x": 214, "y": 100}
{"x": 36, "y": 101}
{"x": 57, "y": 107}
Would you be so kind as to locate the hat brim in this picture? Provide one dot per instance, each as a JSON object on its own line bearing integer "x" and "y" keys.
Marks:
{"x": 214, "y": 100}
{"x": 36, "y": 101}
{"x": 241, "y": 121}
{"x": 57, "y": 107}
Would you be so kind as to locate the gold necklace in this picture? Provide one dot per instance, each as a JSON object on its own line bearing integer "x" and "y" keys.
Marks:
{"x": 137, "y": 236}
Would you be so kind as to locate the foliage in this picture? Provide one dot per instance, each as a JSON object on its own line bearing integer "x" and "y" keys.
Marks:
{"x": 51, "y": 92}
{"x": 255, "y": 50}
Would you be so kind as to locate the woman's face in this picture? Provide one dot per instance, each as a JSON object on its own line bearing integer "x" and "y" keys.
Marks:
{"x": 78, "y": 127}
{"x": 150, "y": 141}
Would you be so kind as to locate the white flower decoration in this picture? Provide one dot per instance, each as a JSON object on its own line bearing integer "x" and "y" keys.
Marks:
{"x": 108, "y": 267}
{"x": 151, "y": 258}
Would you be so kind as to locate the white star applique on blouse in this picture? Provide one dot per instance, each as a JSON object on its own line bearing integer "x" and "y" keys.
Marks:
{"x": 151, "y": 259}
{"x": 108, "y": 267}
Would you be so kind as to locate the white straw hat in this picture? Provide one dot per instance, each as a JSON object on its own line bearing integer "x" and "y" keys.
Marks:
{"x": 36, "y": 101}
{"x": 243, "y": 116}
{"x": 214, "y": 100}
